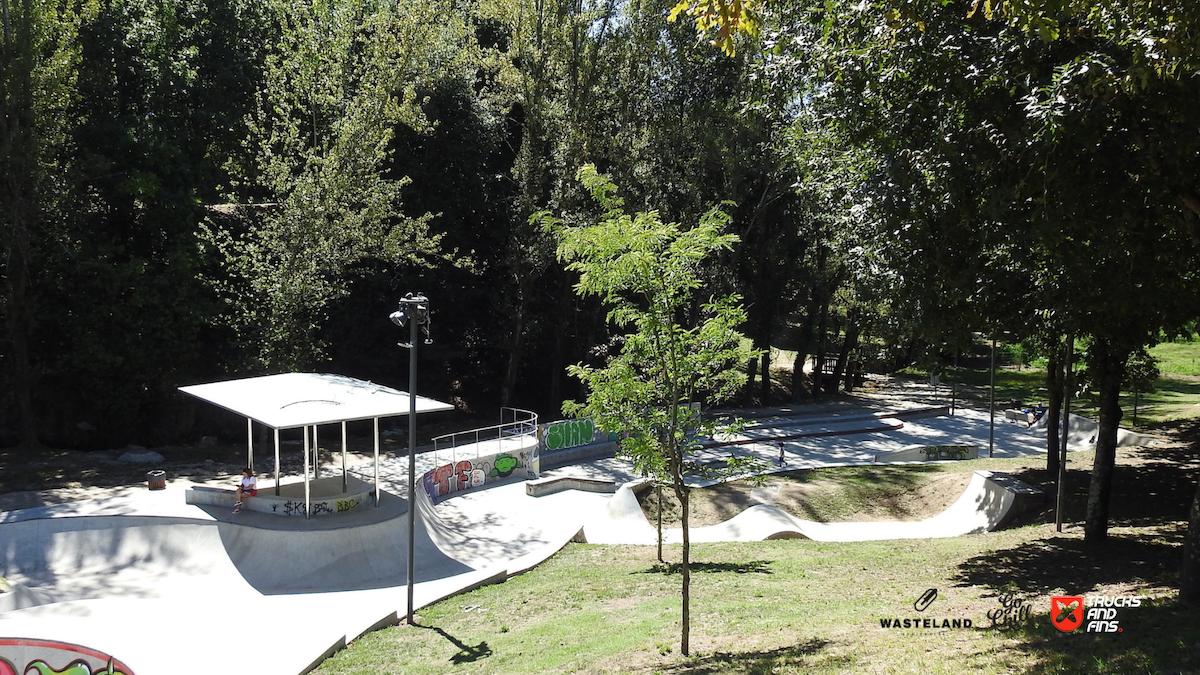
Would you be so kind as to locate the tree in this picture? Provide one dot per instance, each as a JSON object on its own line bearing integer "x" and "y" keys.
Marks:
{"x": 648, "y": 272}
{"x": 337, "y": 83}
{"x": 39, "y": 62}
{"x": 1141, "y": 373}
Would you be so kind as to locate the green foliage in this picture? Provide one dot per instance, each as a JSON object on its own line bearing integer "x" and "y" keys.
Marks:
{"x": 1141, "y": 372}
{"x": 337, "y": 83}
{"x": 647, "y": 272}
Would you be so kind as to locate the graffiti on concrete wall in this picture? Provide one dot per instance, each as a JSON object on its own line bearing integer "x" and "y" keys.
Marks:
{"x": 465, "y": 475}
{"x": 295, "y": 507}
{"x": 569, "y": 433}
{"x": 19, "y": 656}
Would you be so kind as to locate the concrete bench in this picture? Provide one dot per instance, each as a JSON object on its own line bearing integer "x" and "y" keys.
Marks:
{"x": 1015, "y": 415}
{"x": 326, "y": 497}
{"x": 548, "y": 486}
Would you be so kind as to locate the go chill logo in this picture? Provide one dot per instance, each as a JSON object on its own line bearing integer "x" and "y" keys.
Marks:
{"x": 1097, "y": 612}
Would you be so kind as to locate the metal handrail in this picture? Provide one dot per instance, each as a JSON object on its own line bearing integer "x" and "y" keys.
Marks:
{"x": 525, "y": 422}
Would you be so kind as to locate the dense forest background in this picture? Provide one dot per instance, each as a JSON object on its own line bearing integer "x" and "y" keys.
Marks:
{"x": 198, "y": 191}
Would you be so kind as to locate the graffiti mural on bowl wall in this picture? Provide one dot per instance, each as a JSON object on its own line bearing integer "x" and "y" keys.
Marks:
{"x": 569, "y": 434}
{"x": 479, "y": 472}
{"x": 24, "y": 656}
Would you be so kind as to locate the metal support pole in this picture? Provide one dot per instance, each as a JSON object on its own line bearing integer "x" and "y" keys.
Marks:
{"x": 307, "y": 477}
{"x": 376, "y": 462}
{"x": 345, "y": 486}
{"x": 954, "y": 385}
{"x": 316, "y": 450}
{"x": 1065, "y": 416}
{"x": 277, "y": 462}
{"x": 250, "y": 443}
{"x": 412, "y": 454}
{"x": 992, "y": 403}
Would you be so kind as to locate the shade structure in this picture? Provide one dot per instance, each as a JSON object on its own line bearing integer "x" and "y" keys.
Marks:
{"x": 294, "y": 400}
{"x": 304, "y": 400}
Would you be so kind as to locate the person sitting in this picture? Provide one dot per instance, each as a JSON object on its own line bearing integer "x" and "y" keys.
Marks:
{"x": 248, "y": 488}
{"x": 1038, "y": 412}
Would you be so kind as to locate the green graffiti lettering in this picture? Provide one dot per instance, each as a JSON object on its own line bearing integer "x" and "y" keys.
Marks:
{"x": 569, "y": 434}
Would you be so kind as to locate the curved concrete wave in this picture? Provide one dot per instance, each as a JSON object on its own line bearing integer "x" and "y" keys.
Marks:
{"x": 1083, "y": 431}
{"x": 989, "y": 502}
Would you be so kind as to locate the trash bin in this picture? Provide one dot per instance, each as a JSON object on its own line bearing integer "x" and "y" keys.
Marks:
{"x": 157, "y": 480}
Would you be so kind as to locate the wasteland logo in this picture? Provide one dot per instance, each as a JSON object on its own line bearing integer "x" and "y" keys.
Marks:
{"x": 922, "y": 603}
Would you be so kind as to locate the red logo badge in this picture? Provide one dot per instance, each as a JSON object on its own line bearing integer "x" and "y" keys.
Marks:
{"x": 1066, "y": 612}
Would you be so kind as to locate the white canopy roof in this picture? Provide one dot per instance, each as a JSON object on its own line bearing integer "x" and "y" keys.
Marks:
{"x": 294, "y": 400}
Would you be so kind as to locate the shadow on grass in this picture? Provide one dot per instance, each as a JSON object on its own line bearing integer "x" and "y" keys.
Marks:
{"x": 752, "y": 567}
{"x": 1160, "y": 636}
{"x": 791, "y": 658}
{"x": 466, "y": 653}
{"x": 1066, "y": 563}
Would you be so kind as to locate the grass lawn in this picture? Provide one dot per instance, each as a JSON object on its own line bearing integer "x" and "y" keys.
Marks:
{"x": 1173, "y": 398}
{"x": 799, "y": 606}
{"x": 1178, "y": 357}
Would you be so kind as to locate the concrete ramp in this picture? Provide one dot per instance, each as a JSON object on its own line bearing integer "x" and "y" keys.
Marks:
{"x": 620, "y": 522}
{"x": 1082, "y": 431}
{"x": 368, "y": 556}
{"x": 989, "y": 502}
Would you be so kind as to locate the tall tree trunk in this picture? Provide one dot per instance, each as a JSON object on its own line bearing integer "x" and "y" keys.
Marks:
{"x": 818, "y": 381}
{"x": 849, "y": 342}
{"x": 1189, "y": 576}
{"x": 515, "y": 353}
{"x": 766, "y": 374}
{"x": 1055, "y": 380}
{"x": 18, "y": 335}
{"x": 561, "y": 334}
{"x": 1109, "y": 367}
{"x": 681, "y": 492}
{"x": 751, "y": 373}
{"x": 658, "y": 498}
{"x": 19, "y": 175}
{"x": 802, "y": 351}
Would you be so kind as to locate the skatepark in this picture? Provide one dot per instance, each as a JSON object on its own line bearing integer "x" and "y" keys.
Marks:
{"x": 172, "y": 587}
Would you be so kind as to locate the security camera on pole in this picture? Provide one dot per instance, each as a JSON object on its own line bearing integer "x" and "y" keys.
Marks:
{"x": 414, "y": 311}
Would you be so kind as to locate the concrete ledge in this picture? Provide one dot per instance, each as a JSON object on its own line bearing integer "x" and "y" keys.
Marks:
{"x": 1015, "y": 415}
{"x": 548, "y": 486}
{"x": 929, "y": 453}
{"x": 326, "y": 497}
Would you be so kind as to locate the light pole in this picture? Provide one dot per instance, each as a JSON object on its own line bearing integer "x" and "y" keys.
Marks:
{"x": 414, "y": 311}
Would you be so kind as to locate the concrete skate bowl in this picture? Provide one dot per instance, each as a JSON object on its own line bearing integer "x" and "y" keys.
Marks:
{"x": 990, "y": 501}
{"x": 1082, "y": 431}
{"x": 55, "y": 560}
{"x": 363, "y": 557}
